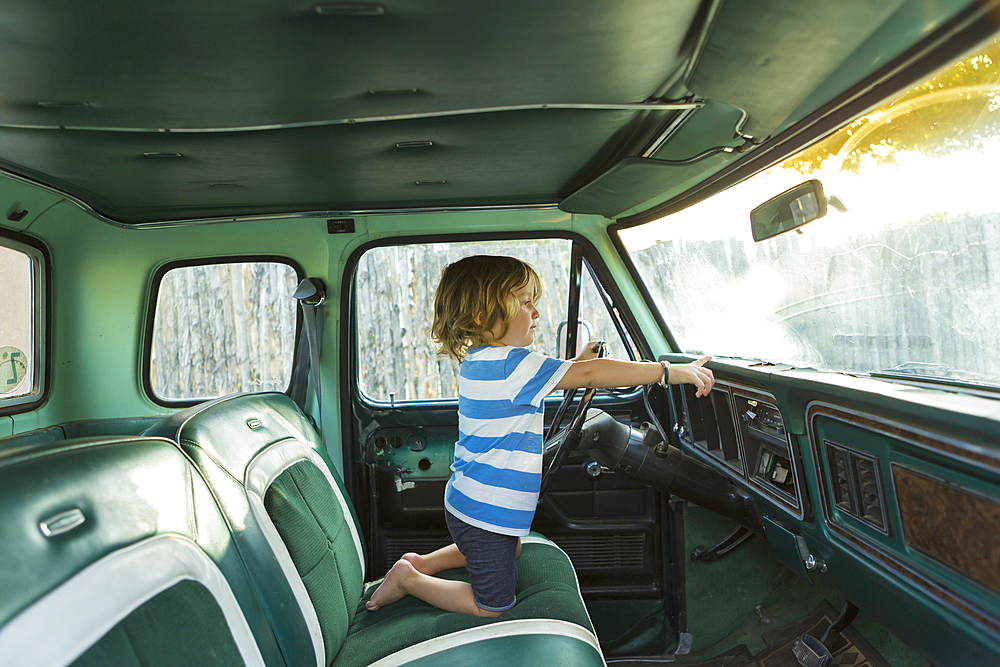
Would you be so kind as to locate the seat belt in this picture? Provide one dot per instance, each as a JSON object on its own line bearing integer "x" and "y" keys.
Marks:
{"x": 311, "y": 293}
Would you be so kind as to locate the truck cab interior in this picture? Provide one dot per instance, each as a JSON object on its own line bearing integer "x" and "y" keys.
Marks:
{"x": 222, "y": 418}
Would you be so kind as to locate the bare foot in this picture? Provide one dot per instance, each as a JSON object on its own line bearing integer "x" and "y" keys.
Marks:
{"x": 393, "y": 586}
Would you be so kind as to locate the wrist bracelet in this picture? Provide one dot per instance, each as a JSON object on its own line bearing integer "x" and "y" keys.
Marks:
{"x": 666, "y": 373}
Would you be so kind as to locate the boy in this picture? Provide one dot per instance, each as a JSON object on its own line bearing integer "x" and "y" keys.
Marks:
{"x": 484, "y": 317}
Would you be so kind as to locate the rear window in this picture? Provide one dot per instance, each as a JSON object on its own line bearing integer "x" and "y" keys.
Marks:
{"x": 22, "y": 323}
{"x": 223, "y": 328}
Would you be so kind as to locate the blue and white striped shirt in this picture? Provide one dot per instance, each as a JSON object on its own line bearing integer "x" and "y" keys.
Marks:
{"x": 498, "y": 456}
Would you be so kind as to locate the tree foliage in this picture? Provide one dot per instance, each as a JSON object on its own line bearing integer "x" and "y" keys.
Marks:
{"x": 956, "y": 110}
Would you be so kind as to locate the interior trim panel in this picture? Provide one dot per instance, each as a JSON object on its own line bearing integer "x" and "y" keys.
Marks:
{"x": 936, "y": 534}
{"x": 953, "y": 525}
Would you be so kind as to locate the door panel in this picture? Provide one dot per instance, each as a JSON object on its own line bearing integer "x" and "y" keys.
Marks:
{"x": 609, "y": 527}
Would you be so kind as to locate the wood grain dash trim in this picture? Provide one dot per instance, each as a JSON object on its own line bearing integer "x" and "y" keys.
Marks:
{"x": 952, "y": 525}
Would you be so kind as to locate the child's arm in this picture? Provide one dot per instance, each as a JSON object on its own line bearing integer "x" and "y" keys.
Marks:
{"x": 608, "y": 373}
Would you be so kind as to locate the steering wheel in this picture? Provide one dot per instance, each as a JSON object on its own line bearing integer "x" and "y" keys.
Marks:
{"x": 571, "y": 439}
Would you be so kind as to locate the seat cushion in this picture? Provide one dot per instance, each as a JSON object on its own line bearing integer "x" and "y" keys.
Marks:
{"x": 296, "y": 529}
{"x": 315, "y": 531}
{"x": 161, "y": 632}
{"x": 524, "y": 643}
{"x": 547, "y": 591}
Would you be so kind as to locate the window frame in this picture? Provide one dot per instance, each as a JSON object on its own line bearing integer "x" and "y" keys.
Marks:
{"x": 146, "y": 344}
{"x": 41, "y": 321}
{"x": 351, "y": 387}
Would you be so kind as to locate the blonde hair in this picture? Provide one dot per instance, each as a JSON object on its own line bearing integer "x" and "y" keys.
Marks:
{"x": 475, "y": 294}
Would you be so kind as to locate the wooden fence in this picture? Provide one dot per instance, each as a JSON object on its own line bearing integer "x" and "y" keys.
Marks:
{"x": 927, "y": 293}
{"x": 224, "y": 328}
{"x": 395, "y": 296}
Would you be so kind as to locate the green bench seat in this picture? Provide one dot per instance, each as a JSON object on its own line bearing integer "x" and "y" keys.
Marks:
{"x": 114, "y": 552}
{"x": 296, "y": 530}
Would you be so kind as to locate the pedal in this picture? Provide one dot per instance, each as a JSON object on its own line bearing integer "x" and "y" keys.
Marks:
{"x": 810, "y": 652}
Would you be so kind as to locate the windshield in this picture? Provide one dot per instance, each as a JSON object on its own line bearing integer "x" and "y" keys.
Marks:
{"x": 905, "y": 282}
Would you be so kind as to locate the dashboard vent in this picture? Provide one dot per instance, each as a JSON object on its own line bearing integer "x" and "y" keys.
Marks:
{"x": 708, "y": 423}
{"x": 869, "y": 492}
{"x": 857, "y": 485}
{"x": 840, "y": 466}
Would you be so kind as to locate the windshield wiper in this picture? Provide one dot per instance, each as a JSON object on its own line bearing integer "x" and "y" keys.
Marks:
{"x": 932, "y": 372}
{"x": 755, "y": 361}
{"x": 919, "y": 368}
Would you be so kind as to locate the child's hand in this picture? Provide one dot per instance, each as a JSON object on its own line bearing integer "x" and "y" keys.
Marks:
{"x": 590, "y": 351}
{"x": 693, "y": 373}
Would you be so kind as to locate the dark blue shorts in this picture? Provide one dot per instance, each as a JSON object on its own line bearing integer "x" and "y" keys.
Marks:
{"x": 489, "y": 558}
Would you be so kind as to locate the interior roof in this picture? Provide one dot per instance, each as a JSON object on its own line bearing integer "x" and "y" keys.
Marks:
{"x": 256, "y": 97}
{"x": 191, "y": 63}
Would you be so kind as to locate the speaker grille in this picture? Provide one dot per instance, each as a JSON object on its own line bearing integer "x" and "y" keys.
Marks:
{"x": 604, "y": 551}
{"x": 586, "y": 551}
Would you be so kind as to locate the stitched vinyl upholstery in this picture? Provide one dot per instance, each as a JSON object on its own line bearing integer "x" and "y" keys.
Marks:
{"x": 546, "y": 588}
{"x": 183, "y": 625}
{"x": 130, "y": 492}
{"x": 312, "y": 526}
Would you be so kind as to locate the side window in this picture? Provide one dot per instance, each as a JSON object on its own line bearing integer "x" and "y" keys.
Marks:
{"x": 223, "y": 328}
{"x": 22, "y": 323}
{"x": 394, "y": 295}
{"x": 596, "y": 320}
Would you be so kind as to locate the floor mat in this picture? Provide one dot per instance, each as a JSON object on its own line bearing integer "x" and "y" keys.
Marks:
{"x": 736, "y": 657}
{"x": 856, "y": 651}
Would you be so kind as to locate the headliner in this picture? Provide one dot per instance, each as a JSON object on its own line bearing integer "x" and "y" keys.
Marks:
{"x": 195, "y": 110}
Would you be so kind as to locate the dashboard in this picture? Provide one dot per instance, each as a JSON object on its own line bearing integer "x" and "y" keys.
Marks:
{"x": 889, "y": 490}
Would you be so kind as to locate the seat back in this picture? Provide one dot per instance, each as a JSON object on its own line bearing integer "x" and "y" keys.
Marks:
{"x": 292, "y": 521}
{"x": 114, "y": 552}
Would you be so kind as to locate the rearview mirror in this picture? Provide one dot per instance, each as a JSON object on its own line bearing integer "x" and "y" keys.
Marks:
{"x": 789, "y": 210}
